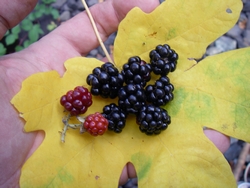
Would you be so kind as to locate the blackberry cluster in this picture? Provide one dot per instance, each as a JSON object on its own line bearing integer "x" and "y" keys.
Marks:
{"x": 131, "y": 98}
{"x": 136, "y": 71}
{"x": 115, "y": 116}
{"x": 152, "y": 119}
{"x": 161, "y": 92}
{"x": 105, "y": 81}
{"x": 134, "y": 95}
{"x": 163, "y": 60}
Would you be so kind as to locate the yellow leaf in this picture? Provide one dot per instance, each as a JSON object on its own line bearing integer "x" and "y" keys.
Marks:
{"x": 215, "y": 93}
{"x": 181, "y": 156}
{"x": 188, "y": 26}
{"x": 173, "y": 158}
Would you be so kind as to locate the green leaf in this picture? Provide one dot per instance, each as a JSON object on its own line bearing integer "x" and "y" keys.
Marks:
{"x": 51, "y": 26}
{"x": 40, "y": 31}
{"x": 55, "y": 13}
{"x": 19, "y": 48}
{"x": 2, "y": 49}
{"x": 48, "y": 10}
{"x": 26, "y": 24}
{"x": 34, "y": 33}
{"x": 10, "y": 39}
{"x": 16, "y": 30}
{"x": 27, "y": 43}
{"x": 48, "y": 1}
{"x": 31, "y": 16}
{"x": 7, "y": 33}
{"x": 38, "y": 14}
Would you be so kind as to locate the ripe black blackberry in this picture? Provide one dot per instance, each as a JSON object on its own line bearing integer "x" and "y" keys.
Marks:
{"x": 163, "y": 60}
{"x": 161, "y": 92}
{"x": 115, "y": 116}
{"x": 105, "y": 81}
{"x": 152, "y": 119}
{"x": 131, "y": 98}
{"x": 136, "y": 71}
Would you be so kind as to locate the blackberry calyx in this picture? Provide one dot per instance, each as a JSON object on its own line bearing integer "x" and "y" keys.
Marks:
{"x": 163, "y": 60}
{"x": 105, "y": 81}
{"x": 131, "y": 98}
{"x": 115, "y": 116}
{"x": 161, "y": 92}
{"x": 152, "y": 119}
{"x": 136, "y": 71}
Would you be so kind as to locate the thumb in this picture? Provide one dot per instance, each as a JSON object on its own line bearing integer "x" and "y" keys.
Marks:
{"x": 13, "y": 12}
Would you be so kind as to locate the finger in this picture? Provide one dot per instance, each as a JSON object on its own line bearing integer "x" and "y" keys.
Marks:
{"x": 12, "y": 12}
{"x": 128, "y": 172}
{"x": 73, "y": 38}
{"x": 76, "y": 37}
{"x": 107, "y": 16}
{"x": 221, "y": 141}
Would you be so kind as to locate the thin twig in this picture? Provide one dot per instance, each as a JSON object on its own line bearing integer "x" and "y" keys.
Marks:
{"x": 72, "y": 126}
{"x": 63, "y": 133}
{"x": 246, "y": 172}
{"x": 241, "y": 161}
{"x": 96, "y": 31}
{"x": 65, "y": 128}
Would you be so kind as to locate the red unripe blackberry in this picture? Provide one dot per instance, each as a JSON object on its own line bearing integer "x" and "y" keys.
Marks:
{"x": 116, "y": 117}
{"x": 152, "y": 119}
{"x": 95, "y": 124}
{"x": 136, "y": 71}
{"x": 163, "y": 60}
{"x": 77, "y": 101}
{"x": 105, "y": 81}
{"x": 161, "y": 92}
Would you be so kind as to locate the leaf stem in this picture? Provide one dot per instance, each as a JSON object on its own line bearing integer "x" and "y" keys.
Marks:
{"x": 82, "y": 120}
{"x": 96, "y": 31}
{"x": 65, "y": 128}
{"x": 72, "y": 126}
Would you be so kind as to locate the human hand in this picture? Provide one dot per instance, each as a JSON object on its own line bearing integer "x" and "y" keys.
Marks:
{"x": 73, "y": 38}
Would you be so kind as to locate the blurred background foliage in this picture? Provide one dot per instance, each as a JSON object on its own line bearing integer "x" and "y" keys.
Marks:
{"x": 42, "y": 20}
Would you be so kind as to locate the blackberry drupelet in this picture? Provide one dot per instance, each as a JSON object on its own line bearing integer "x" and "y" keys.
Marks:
{"x": 136, "y": 71}
{"x": 161, "y": 92}
{"x": 163, "y": 60}
{"x": 115, "y": 116}
{"x": 131, "y": 98}
{"x": 105, "y": 81}
{"x": 152, "y": 119}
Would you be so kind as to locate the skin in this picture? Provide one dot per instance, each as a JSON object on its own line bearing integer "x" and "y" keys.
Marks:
{"x": 45, "y": 55}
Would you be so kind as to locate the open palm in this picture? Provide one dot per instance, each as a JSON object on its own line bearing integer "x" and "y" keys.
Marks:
{"x": 73, "y": 38}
